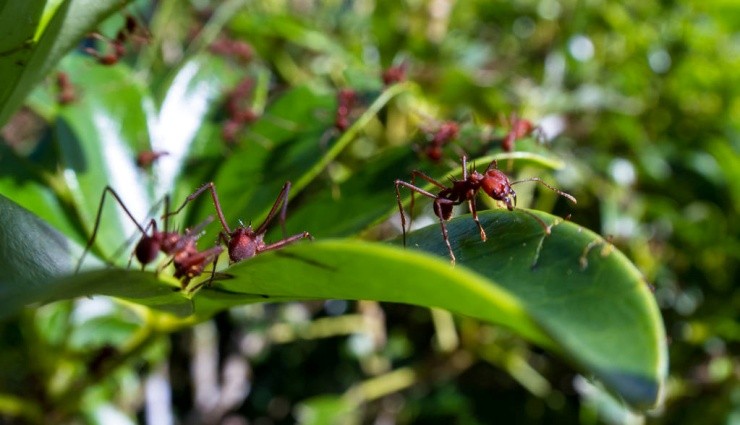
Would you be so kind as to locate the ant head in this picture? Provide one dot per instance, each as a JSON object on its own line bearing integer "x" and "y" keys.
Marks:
{"x": 496, "y": 185}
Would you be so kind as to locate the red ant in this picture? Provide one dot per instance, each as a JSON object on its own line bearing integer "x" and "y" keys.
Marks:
{"x": 187, "y": 260}
{"x": 520, "y": 128}
{"x": 493, "y": 182}
{"x": 394, "y": 74}
{"x": 346, "y": 100}
{"x": 245, "y": 242}
{"x": 66, "y": 89}
{"x": 445, "y": 134}
{"x": 145, "y": 159}
{"x": 118, "y": 45}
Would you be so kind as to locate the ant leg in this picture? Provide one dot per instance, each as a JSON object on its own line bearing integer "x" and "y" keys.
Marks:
{"x": 194, "y": 265}
{"x": 282, "y": 198}
{"x": 571, "y": 198}
{"x": 474, "y": 211}
{"x": 417, "y": 173}
{"x": 445, "y": 236}
{"x": 285, "y": 242}
{"x": 191, "y": 235}
{"x": 208, "y": 186}
{"x": 103, "y": 59}
{"x": 400, "y": 204}
{"x": 97, "y": 222}
{"x": 223, "y": 239}
{"x": 400, "y": 211}
{"x": 414, "y": 174}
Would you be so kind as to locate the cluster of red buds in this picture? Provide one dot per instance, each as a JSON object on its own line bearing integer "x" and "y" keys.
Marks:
{"x": 66, "y": 89}
{"x": 519, "y": 129}
{"x": 239, "y": 112}
{"x": 446, "y": 133}
{"x": 229, "y": 47}
{"x": 346, "y": 101}
{"x": 130, "y": 29}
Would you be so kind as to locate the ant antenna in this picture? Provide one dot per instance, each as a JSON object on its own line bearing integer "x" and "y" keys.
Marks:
{"x": 571, "y": 198}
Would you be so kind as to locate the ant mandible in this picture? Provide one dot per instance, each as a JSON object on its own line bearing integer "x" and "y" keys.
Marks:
{"x": 188, "y": 261}
{"x": 492, "y": 181}
{"x": 245, "y": 242}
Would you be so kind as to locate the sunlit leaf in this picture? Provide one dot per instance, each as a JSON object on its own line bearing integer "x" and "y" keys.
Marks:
{"x": 570, "y": 291}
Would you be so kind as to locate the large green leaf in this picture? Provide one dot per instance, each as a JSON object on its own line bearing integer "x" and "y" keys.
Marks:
{"x": 594, "y": 309}
{"x": 37, "y": 264}
{"x": 582, "y": 291}
{"x": 31, "y": 254}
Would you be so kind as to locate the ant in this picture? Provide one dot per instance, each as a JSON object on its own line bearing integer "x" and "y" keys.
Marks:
{"x": 66, "y": 89}
{"x": 519, "y": 129}
{"x": 145, "y": 159}
{"x": 446, "y": 133}
{"x": 130, "y": 29}
{"x": 187, "y": 260}
{"x": 245, "y": 242}
{"x": 493, "y": 182}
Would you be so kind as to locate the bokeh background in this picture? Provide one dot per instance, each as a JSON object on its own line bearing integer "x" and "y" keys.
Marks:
{"x": 639, "y": 99}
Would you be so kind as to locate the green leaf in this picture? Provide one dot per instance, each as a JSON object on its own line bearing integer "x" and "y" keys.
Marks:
{"x": 38, "y": 262}
{"x": 25, "y": 183}
{"x": 139, "y": 287}
{"x": 602, "y": 316}
{"x": 582, "y": 291}
{"x": 41, "y": 42}
{"x": 31, "y": 254}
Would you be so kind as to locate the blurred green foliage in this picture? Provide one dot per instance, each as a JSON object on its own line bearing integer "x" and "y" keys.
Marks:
{"x": 639, "y": 99}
